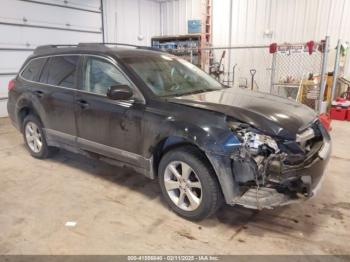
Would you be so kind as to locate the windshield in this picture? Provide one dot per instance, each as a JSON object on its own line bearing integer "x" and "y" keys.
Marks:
{"x": 171, "y": 76}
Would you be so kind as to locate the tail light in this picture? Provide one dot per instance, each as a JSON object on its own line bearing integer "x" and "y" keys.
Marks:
{"x": 11, "y": 84}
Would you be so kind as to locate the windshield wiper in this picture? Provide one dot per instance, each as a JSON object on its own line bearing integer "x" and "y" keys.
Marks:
{"x": 190, "y": 93}
{"x": 201, "y": 91}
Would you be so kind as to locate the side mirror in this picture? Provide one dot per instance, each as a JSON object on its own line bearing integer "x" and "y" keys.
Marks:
{"x": 119, "y": 92}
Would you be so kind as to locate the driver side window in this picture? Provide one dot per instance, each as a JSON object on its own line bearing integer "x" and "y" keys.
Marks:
{"x": 100, "y": 75}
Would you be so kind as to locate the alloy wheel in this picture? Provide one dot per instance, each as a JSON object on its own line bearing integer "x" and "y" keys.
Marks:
{"x": 183, "y": 185}
{"x": 33, "y": 137}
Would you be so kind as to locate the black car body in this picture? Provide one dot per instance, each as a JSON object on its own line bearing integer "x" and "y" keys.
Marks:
{"x": 265, "y": 151}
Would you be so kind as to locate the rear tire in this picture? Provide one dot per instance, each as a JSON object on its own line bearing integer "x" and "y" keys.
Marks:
{"x": 189, "y": 184}
{"x": 34, "y": 138}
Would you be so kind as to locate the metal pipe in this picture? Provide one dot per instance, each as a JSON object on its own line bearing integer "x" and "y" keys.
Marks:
{"x": 8, "y": 74}
{"x": 230, "y": 47}
{"x": 102, "y": 23}
{"x": 160, "y": 19}
{"x": 323, "y": 72}
{"x": 248, "y": 46}
{"x": 273, "y": 70}
{"x": 233, "y": 75}
{"x": 241, "y": 47}
{"x": 63, "y": 6}
{"x": 244, "y": 46}
{"x": 51, "y": 27}
{"x": 16, "y": 49}
{"x": 336, "y": 67}
{"x": 139, "y": 18}
{"x": 229, "y": 36}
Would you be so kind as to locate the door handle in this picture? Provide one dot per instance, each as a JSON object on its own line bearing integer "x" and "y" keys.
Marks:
{"x": 83, "y": 104}
{"x": 39, "y": 93}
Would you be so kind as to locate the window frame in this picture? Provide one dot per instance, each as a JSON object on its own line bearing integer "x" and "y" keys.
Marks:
{"x": 47, "y": 63}
{"x": 137, "y": 95}
{"x": 36, "y": 79}
{"x": 80, "y": 67}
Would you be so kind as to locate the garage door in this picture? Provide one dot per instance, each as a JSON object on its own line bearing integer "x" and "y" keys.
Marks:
{"x": 25, "y": 24}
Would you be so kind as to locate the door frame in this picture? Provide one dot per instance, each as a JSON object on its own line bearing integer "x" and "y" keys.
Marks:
{"x": 120, "y": 155}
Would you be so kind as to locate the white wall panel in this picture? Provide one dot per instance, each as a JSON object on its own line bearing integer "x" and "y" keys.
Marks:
{"x": 290, "y": 20}
{"x": 175, "y": 15}
{"x": 21, "y": 37}
{"x": 125, "y": 20}
{"x": 87, "y": 4}
{"x": 21, "y": 16}
{"x": 36, "y": 14}
{"x": 11, "y": 61}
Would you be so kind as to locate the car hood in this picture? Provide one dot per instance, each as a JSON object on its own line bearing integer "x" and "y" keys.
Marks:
{"x": 271, "y": 114}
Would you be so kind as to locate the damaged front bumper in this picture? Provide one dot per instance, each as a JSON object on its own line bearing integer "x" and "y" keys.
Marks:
{"x": 258, "y": 171}
{"x": 297, "y": 185}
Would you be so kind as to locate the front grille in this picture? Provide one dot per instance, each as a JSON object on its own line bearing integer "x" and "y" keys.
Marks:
{"x": 309, "y": 138}
{"x": 306, "y": 146}
{"x": 306, "y": 134}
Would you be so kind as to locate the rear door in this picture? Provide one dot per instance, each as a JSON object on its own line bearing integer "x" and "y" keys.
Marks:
{"x": 58, "y": 82}
{"x": 109, "y": 127}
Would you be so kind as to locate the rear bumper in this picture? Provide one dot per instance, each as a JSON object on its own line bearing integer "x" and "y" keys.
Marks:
{"x": 11, "y": 109}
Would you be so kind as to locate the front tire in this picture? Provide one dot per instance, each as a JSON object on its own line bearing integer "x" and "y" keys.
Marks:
{"x": 189, "y": 183}
{"x": 34, "y": 138}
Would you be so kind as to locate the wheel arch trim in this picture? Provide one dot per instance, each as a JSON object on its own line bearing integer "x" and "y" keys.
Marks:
{"x": 221, "y": 164}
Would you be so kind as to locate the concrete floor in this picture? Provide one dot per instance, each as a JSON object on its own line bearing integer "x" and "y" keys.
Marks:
{"x": 120, "y": 212}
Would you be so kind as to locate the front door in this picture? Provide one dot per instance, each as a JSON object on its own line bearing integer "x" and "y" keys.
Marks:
{"x": 112, "y": 128}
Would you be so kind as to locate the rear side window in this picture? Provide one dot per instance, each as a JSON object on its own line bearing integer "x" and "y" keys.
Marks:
{"x": 33, "y": 69}
{"x": 60, "y": 71}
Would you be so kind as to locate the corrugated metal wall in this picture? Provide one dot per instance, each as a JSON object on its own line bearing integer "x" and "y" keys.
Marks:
{"x": 289, "y": 20}
{"x": 126, "y": 20}
{"x": 26, "y": 24}
{"x": 175, "y": 15}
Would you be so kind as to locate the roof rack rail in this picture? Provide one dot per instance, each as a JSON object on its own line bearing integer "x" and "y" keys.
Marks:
{"x": 46, "y": 47}
{"x": 123, "y": 44}
{"x": 136, "y": 46}
{"x": 43, "y": 48}
{"x": 107, "y": 43}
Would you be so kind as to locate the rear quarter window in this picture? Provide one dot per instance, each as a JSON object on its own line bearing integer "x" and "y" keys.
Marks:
{"x": 60, "y": 71}
{"x": 33, "y": 68}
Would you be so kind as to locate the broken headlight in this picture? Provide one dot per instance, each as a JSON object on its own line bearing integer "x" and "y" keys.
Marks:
{"x": 259, "y": 144}
{"x": 259, "y": 154}
{"x": 253, "y": 140}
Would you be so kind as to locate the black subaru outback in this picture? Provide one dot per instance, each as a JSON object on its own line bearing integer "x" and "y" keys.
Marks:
{"x": 206, "y": 143}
